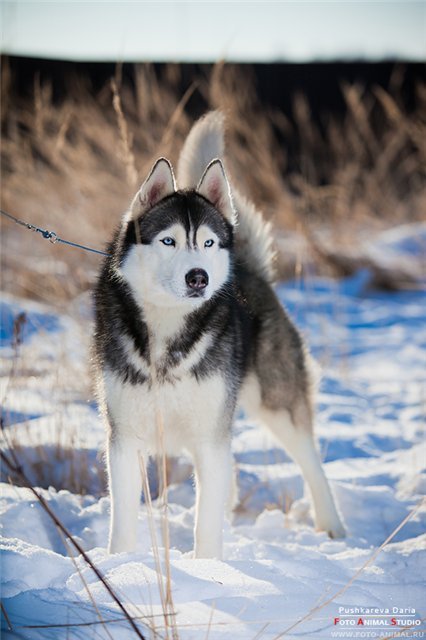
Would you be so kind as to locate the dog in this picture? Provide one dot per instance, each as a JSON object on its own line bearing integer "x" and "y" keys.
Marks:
{"x": 188, "y": 327}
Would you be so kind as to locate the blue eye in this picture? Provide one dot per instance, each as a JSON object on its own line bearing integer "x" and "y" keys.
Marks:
{"x": 209, "y": 243}
{"x": 169, "y": 242}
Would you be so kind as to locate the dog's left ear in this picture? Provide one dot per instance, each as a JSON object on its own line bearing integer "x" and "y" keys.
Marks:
{"x": 214, "y": 186}
{"x": 159, "y": 184}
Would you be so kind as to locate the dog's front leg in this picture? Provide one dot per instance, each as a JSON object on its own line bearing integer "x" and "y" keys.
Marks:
{"x": 213, "y": 469}
{"x": 125, "y": 485}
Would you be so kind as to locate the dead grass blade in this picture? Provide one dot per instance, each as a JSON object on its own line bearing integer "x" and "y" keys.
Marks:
{"x": 6, "y": 617}
{"x": 126, "y": 142}
{"x": 85, "y": 584}
{"x": 164, "y": 587}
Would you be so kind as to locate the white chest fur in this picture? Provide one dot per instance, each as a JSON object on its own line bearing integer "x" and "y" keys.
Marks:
{"x": 174, "y": 407}
{"x": 177, "y": 413}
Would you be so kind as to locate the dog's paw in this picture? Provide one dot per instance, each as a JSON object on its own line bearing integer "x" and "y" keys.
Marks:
{"x": 336, "y": 531}
{"x": 332, "y": 526}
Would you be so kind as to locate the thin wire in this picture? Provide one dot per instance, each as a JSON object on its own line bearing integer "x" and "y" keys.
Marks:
{"x": 50, "y": 235}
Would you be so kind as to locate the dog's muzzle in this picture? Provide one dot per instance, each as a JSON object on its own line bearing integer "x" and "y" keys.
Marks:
{"x": 196, "y": 281}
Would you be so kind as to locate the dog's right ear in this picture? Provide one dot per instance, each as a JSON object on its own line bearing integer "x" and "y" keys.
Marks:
{"x": 159, "y": 184}
{"x": 214, "y": 186}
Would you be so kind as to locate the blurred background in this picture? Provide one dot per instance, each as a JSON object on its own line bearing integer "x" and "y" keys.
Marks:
{"x": 325, "y": 106}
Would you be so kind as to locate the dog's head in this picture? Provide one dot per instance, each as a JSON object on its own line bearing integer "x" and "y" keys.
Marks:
{"x": 175, "y": 245}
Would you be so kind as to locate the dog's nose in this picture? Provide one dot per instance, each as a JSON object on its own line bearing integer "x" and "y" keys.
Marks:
{"x": 197, "y": 279}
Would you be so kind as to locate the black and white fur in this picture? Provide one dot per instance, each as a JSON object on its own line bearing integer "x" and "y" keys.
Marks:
{"x": 188, "y": 327}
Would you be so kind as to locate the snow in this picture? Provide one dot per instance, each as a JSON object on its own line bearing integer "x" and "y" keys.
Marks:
{"x": 276, "y": 567}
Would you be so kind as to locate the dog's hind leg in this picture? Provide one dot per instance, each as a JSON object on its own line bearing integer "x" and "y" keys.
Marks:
{"x": 293, "y": 430}
{"x": 233, "y": 496}
{"x": 125, "y": 485}
{"x": 299, "y": 443}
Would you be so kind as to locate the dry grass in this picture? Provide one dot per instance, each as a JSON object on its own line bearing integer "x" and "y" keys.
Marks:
{"x": 73, "y": 165}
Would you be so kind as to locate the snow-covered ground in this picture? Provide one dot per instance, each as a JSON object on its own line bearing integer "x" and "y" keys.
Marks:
{"x": 279, "y": 577}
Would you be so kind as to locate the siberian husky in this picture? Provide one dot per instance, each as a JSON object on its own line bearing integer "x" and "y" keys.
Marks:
{"x": 188, "y": 326}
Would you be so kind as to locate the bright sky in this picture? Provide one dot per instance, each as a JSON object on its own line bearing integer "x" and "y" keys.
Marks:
{"x": 207, "y": 31}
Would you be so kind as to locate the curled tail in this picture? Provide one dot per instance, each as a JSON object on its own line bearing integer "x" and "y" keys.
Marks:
{"x": 253, "y": 237}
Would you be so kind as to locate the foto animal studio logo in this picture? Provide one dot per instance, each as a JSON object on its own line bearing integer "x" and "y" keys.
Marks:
{"x": 377, "y": 622}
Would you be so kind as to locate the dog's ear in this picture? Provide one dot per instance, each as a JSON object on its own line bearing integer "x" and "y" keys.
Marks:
{"x": 159, "y": 184}
{"x": 214, "y": 186}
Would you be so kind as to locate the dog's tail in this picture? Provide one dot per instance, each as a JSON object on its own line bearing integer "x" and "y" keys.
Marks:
{"x": 253, "y": 237}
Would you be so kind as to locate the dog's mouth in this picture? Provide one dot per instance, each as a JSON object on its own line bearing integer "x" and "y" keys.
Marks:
{"x": 195, "y": 294}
